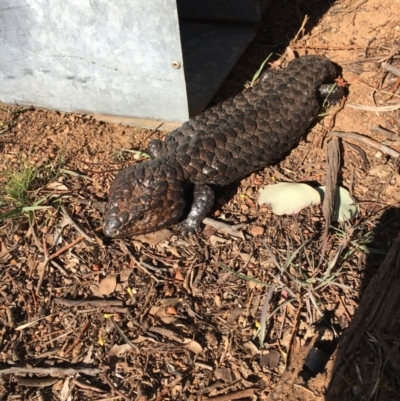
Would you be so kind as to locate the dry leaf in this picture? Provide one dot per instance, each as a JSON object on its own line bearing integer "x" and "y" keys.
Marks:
{"x": 171, "y": 310}
{"x": 89, "y": 355}
{"x": 289, "y": 53}
{"x": 154, "y": 238}
{"x": 224, "y": 374}
{"x": 65, "y": 394}
{"x": 124, "y": 275}
{"x": 209, "y": 231}
{"x": 179, "y": 276}
{"x": 270, "y": 359}
{"x": 257, "y": 230}
{"x": 382, "y": 172}
{"x": 76, "y": 352}
{"x": 119, "y": 350}
{"x": 214, "y": 240}
{"x": 4, "y": 254}
{"x": 162, "y": 314}
{"x": 58, "y": 186}
{"x": 107, "y": 285}
{"x": 141, "y": 339}
{"x": 251, "y": 348}
{"x": 193, "y": 346}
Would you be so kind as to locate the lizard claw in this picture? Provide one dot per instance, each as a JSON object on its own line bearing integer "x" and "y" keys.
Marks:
{"x": 189, "y": 227}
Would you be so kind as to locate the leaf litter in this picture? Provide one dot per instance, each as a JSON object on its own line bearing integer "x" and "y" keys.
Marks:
{"x": 244, "y": 308}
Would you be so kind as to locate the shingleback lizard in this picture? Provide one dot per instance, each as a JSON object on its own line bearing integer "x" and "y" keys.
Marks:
{"x": 228, "y": 141}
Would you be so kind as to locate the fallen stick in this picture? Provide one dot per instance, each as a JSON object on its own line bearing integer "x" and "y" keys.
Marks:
{"x": 72, "y": 222}
{"x": 365, "y": 60}
{"x": 35, "y": 381}
{"x": 125, "y": 249}
{"x": 87, "y": 386}
{"x": 114, "y": 389}
{"x": 368, "y": 141}
{"x": 232, "y": 396}
{"x": 92, "y": 302}
{"x": 78, "y": 338}
{"x": 391, "y": 68}
{"x": 50, "y": 371}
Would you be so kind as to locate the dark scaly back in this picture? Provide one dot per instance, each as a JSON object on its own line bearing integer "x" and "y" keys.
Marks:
{"x": 254, "y": 129}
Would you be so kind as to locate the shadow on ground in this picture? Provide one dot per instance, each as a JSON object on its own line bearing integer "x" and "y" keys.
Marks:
{"x": 367, "y": 361}
{"x": 281, "y": 23}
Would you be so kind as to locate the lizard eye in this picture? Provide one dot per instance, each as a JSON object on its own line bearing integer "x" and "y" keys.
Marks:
{"x": 140, "y": 217}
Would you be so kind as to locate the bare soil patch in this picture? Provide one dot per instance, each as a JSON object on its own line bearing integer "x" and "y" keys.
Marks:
{"x": 168, "y": 317}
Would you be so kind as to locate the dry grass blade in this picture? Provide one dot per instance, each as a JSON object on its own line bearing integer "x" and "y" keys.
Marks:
{"x": 373, "y": 108}
{"x": 122, "y": 334}
{"x": 243, "y": 276}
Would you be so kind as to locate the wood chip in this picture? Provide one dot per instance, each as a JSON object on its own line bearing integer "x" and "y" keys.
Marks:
{"x": 332, "y": 171}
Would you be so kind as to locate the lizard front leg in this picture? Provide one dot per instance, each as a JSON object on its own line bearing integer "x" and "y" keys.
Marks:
{"x": 203, "y": 200}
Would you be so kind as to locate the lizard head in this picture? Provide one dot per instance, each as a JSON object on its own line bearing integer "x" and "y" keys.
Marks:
{"x": 144, "y": 198}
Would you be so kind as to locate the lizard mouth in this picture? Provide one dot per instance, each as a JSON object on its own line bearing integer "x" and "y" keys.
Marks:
{"x": 112, "y": 227}
{"x": 120, "y": 226}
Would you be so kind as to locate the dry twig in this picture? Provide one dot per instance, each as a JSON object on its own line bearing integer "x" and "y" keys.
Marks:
{"x": 50, "y": 370}
{"x": 78, "y": 338}
{"x": 249, "y": 392}
{"x": 391, "y": 68}
{"x": 125, "y": 249}
{"x": 391, "y": 93}
{"x": 382, "y": 131}
{"x": 87, "y": 386}
{"x": 327, "y": 47}
{"x": 35, "y": 381}
{"x": 365, "y": 60}
{"x": 72, "y": 222}
{"x": 368, "y": 141}
{"x": 226, "y": 228}
{"x": 92, "y": 302}
{"x": 114, "y": 389}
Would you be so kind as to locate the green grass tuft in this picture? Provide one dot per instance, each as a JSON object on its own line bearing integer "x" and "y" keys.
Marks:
{"x": 21, "y": 184}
